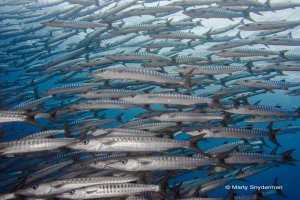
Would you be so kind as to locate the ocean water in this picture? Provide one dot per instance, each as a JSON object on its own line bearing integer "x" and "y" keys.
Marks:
{"x": 21, "y": 28}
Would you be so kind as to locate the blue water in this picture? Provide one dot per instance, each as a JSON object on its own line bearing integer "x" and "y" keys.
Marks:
{"x": 13, "y": 72}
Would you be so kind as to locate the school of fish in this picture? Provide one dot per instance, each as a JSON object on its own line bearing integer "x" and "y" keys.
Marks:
{"x": 117, "y": 99}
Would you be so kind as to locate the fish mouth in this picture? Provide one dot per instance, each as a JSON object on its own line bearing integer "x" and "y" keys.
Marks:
{"x": 110, "y": 164}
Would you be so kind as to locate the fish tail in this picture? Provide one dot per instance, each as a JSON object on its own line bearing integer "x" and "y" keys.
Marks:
{"x": 222, "y": 164}
{"x": 227, "y": 118}
{"x": 278, "y": 190}
{"x": 249, "y": 66}
{"x": 230, "y": 195}
{"x": 287, "y": 157}
{"x": 247, "y": 15}
{"x": 52, "y": 117}
{"x": 67, "y": 131}
{"x": 163, "y": 185}
{"x": 187, "y": 80}
{"x": 268, "y": 3}
{"x": 239, "y": 35}
{"x": 30, "y": 119}
{"x": 216, "y": 102}
{"x": 208, "y": 34}
{"x": 193, "y": 144}
{"x": 282, "y": 54}
{"x": 273, "y": 138}
{"x": 221, "y": 160}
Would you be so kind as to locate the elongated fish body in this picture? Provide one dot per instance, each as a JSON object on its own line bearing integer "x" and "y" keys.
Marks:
{"x": 241, "y": 3}
{"x": 83, "y": 2}
{"x": 213, "y": 69}
{"x": 151, "y": 10}
{"x": 73, "y": 24}
{"x": 255, "y": 169}
{"x": 154, "y": 126}
{"x": 284, "y": 66}
{"x": 77, "y": 87}
{"x": 44, "y": 134}
{"x": 224, "y": 147}
{"x": 224, "y": 29}
{"x": 139, "y": 27}
{"x": 191, "y": 3}
{"x": 109, "y": 190}
{"x": 187, "y": 117}
{"x": 288, "y": 129}
{"x": 114, "y": 10}
{"x": 231, "y": 44}
{"x": 137, "y": 56}
{"x": 268, "y": 85}
{"x": 224, "y": 132}
{"x": 252, "y": 158}
{"x": 264, "y": 119}
{"x": 61, "y": 37}
{"x": 269, "y": 25}
{"x": 152, "y": 163}
{"x": 140, "y": 75}
{"x": 13, "y": 116}
{"x": 47, "y": 170}
{"x": 33, "y": 145}
{"x": 263, "y": 111}
{"x": 176, "y": 35}
{"x": 246, "y": 53}
{"x": 64, "y": 185}
{"x": 168, "y": 99}
{"x": 215, "y": 184}
{"x": 284, "y": 5}
{"x": 213, "y": 13}
{"x": 129, "y": 144}
{"x": 101, "y": 104}
{"x": 284, "y": 41}
{"x": 123, "y": 132}
{"x": 63, "y": 66}
{"x": 30, "y": 103}
{"x": 107, "y": 93}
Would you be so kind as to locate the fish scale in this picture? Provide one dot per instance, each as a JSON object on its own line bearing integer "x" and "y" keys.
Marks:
{"x": 131, "y": 90}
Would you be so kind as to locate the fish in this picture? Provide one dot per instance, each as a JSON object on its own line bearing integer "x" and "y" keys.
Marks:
{"x": 163, "y": 163}
{"x": 256, "y": 158}
{"x": 33, "y": 145}
{"x": 147, "y": 99}
{"x": 65, "y": 185}
{"x": 268, "y": 85}
{"x": 109, "y": 190}
{"x": 269, "y": 25}
{"x": 235, "y": 132}
{"x": 126, "y": 143}
{"x": 216, "y": 13}
{"x": 143, "y": 75}
{"x": 73, "y": 24}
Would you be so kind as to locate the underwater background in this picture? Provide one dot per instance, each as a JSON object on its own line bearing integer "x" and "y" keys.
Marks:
{"x": 27, "y": 53}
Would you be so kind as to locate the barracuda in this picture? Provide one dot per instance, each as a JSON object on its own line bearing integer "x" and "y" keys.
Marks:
{"x": 153, "y": 163}
{"x": 65, "y": 185}
{"x": 132, "y": 144}
{"x": 144, "y": 75}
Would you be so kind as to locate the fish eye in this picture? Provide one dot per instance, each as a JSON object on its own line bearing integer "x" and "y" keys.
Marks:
{"x": 85, "y": 142}
{"x": 72, "y": 192}
{"x": 34, "y": 187}
{"x": 123, "y": 162}
{"x": 95, "y": 162}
